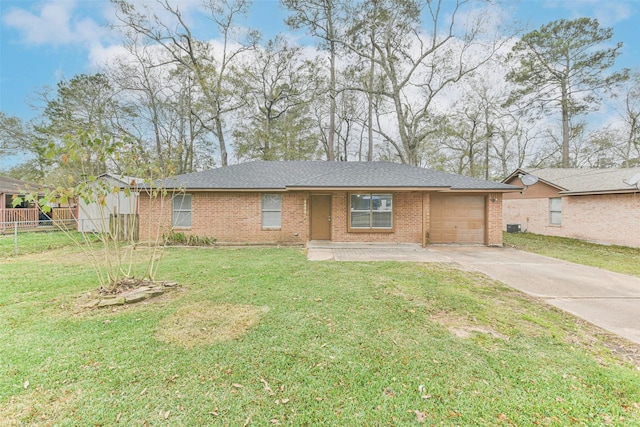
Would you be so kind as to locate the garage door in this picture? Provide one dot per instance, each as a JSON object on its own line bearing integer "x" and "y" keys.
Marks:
{"x": 457, "y": 219}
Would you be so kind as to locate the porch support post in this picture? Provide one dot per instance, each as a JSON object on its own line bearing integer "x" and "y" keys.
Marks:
{"x": 425, "y": 218}
{"x": 15, "y": 238}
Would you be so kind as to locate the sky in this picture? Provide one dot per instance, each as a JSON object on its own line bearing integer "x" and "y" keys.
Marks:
{"x": 43, "y": 42}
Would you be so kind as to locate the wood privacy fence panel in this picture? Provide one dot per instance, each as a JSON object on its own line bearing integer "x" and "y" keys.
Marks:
{"x": 124, "y": 227}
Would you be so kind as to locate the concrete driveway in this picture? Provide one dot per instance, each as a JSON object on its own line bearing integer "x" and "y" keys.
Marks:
{"x": 606, "y": 299}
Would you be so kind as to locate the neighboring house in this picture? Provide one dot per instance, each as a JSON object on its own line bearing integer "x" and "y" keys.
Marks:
{"x": 590, "y": 204}
{"x": 94, "y": 217}
{"x": 25, "y": 214}
{"x": 297, "y": 201}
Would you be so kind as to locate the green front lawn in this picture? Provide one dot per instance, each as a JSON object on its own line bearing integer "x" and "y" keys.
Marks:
{"x": 621, "y": 259}
{"x": 35, "y": 241}
{"x": 265, "y": 337}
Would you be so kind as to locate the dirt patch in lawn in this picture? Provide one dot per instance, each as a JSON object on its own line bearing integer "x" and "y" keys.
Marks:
{"x": 205, "y": 323}
{"x": 453, "y": 322}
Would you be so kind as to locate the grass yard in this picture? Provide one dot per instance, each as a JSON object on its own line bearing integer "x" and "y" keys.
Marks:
{"x": 34, "y": 242}
{"x": 265, "y": 337}
{"x": 620, "y": 259}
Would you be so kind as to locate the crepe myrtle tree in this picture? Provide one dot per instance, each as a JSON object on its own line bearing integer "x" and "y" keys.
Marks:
{"x": 116, "y": 254}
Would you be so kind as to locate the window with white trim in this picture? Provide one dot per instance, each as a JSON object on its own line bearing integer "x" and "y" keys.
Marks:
{"x": 555, "y": 211}
{"x": 271, "y": 210}
{"x": 181, "y": 211}
{"x": 371, "y": 211}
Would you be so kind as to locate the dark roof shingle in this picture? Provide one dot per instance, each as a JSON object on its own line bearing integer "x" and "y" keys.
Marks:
{"x": 15, "y": 186}
{"x": 280, "y": 175}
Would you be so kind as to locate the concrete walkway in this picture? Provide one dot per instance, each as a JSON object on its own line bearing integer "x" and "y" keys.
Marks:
{"x": 606, "y": 299}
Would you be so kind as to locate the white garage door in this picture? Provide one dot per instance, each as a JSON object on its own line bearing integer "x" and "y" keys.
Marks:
{"x": 457, "y": 219}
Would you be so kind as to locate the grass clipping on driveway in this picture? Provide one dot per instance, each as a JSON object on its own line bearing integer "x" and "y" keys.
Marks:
{"x": 205, "y": 323}
{"x": 264, "y": 337}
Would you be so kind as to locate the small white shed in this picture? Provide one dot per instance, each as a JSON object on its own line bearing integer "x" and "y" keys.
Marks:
{"x": 95, "y": 217}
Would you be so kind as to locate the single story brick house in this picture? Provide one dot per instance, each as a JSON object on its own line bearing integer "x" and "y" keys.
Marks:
{"x": 294, "y": 202}
{"x": 589, "y": 204}
{"x": 28, "y": 214}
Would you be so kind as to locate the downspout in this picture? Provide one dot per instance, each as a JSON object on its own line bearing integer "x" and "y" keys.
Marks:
{"x": 3, "y": 201}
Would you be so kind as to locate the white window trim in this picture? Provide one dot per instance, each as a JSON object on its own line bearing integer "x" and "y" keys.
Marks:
{"x": 263, "y": 210}
{"x": 551, "y": 211}
{"x": 370, "y": 211}
{"x": 179, "y": 209}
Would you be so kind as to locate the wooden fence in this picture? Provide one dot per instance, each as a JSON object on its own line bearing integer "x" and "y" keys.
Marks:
{"x": 124, "y": 227}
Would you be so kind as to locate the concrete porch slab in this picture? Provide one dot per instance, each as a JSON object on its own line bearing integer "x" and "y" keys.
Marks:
{"x": 327, "y": 251}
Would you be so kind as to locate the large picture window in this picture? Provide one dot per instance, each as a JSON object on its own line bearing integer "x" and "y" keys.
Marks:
{"x": 271, "y": 210}
{"x": 555, "y": 211}
{"x": 371, "y": 211}
{"x": 182, "y": 211}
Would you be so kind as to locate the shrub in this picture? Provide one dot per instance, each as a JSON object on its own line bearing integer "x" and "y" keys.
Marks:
{"x": 181, "y": 239}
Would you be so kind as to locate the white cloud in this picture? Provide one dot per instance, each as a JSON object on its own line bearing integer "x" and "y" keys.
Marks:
{"x": 54, "y": 23}
{"x": 608, "y": 13}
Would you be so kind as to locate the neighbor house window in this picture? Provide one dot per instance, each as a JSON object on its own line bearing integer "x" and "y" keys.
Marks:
{"x": 371, "y": 211}
{"x": 271, "y": 210}
{"x": 182, "y": 211}
{"x": 555, "y": 211}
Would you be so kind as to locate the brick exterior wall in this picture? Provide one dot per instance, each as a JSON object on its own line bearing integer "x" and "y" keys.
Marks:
{"x": 607, "y": 219}
{"x": 235, "y": 218}
{"x": 407, "y": 220}
{"x": 494, "y": 219}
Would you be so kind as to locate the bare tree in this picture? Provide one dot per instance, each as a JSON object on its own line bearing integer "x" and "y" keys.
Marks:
{"x": 278, "y": 85}
{"x": 418, "y": 65}
{"x": 629, "y": 112}
{"x": 322, "y": 18}
{"x": 211, "y": 69}
{"x": 159, "y": 109}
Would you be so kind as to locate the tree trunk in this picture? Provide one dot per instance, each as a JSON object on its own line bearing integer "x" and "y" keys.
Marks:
{"x": 332, "y": 104}
{"x": 371, "y": 83}
{"x": 565, "y": 136}
{"x": 223, "y": 146}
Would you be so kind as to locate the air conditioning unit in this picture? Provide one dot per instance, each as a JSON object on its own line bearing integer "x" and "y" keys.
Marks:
{"x": 513, "y": 228}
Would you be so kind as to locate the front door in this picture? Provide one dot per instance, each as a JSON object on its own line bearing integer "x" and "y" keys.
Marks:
{"x": 320, "y": 217}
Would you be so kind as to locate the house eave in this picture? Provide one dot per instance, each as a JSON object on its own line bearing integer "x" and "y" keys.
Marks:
{"x": 227, "y": 190}
{"x": 363, "y": 188}
{"x": 348, "y": 188}
{"x": 542, "y": 180}
{"x": 598, "y": 192}
{"x": 485, "y": 190}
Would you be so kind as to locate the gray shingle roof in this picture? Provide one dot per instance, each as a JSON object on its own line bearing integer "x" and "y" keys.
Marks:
{"x": 587, "y": 180}
{"x": 124, "y": 180}
{"x": 262, "y": 175}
